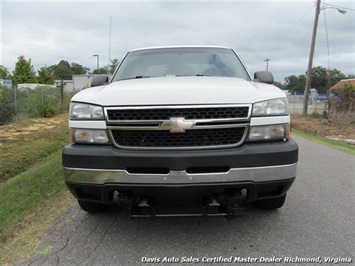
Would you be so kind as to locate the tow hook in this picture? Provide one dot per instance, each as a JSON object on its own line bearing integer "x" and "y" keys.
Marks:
{"x": 223, "y": 206}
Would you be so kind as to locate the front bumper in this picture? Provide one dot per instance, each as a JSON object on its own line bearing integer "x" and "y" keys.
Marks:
{"x": 253, "y": 174}
{"x": 263, "y": 169}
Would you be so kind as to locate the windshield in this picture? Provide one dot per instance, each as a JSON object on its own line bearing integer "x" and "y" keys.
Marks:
{"x": 175, "y": 62}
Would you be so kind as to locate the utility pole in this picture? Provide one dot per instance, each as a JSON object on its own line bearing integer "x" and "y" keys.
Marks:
{"x": 97, "y": 60}
{"x": 310, "y": 60}
{"x": 267, "y": 63}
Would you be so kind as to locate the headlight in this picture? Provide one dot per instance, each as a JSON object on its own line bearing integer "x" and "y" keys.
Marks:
{"x": 271, "y": 107}
{"x": 269, "y": 132}
{"x": 88, "y": 136}
{"x": 85, "y": 111}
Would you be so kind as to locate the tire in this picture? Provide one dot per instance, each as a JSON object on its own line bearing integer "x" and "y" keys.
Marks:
{"x": 271, "y": 204}
{"x": 90, "y": 206}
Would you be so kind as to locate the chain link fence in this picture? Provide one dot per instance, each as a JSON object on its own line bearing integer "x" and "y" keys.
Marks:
{"x": 316, "y": 105}
{"x": 41, "y": 101}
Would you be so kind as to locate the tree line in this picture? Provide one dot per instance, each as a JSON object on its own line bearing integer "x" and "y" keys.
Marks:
{"x": 25, "y": 73}
{"x": 322, "y": 78}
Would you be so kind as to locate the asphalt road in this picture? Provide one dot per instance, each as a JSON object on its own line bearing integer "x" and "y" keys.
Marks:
{"x": 317, "y": 220}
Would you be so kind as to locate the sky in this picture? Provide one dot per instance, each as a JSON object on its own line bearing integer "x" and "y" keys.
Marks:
{"x": 50, "y": 31}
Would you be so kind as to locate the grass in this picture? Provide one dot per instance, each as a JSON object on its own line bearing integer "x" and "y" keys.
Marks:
{"x": 25, "y": 235}
{"x": 24, "y": 146}
{"x": 29, "y": 189}
{"x": 32, "y": 189}
{"x": 339, "y": 145}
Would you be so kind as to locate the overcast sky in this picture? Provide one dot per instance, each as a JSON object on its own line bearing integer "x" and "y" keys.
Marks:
{"x": 49, "y": 31}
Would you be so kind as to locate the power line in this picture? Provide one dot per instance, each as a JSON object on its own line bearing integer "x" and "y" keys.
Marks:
{"x": 287, "y": 30}
{"x": 340, "y": 7}
{"x": 277, "y": 14}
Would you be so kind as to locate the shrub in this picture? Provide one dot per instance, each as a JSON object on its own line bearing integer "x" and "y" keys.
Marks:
{"x": 42, "y": 101}
{"x": 342, "y": 106}
{"x": 7, "y": 106}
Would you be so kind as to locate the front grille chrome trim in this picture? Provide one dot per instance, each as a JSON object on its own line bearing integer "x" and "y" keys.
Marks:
{"x": 112, "y": 176}
{"x": 172, "y": 107}
{"x": 159, "y": 127}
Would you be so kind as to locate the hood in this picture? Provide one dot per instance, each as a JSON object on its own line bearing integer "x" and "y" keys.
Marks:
{"x": 179, "y": 91}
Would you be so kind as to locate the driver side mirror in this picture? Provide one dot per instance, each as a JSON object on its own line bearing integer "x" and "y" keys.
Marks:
{"x": 99, "y": 80}
{"x": 264, "y": 77}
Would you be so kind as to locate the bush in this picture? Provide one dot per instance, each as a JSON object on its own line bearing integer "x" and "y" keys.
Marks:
{"x": 342, "y": 106}
{"x": 7, "y": 106}
{"x": 42, "y": 101}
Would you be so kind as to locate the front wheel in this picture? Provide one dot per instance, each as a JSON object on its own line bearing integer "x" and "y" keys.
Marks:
{"x": 90, "y": 206}
{"x": 271, "y": 204}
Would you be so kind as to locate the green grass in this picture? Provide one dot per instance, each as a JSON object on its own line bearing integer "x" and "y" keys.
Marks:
{"x": 23, "y": 237}
{"x": 21, "y": 151}
{"x": 29, "y": 189}
{"x": 339, "y": 145}
{"x": 30, "y": 168}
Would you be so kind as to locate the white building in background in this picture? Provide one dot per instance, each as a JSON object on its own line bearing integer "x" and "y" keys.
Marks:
{"x": 68, "y": 84}
{"x": 32, "y": 86}
{"x": 79, "y": 82}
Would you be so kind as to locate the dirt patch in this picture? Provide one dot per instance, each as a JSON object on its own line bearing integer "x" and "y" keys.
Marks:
{"x": 323, "y": 127}
{"x": 28, "y": 126}
{"x": 26, "y": 142}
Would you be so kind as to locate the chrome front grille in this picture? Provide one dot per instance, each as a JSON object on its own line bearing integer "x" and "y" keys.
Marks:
{"x": 188, "y": 113}
{"x": 180, "y": 127}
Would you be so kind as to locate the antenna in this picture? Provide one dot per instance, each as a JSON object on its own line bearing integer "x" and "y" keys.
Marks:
{"x": 109, "y": 44}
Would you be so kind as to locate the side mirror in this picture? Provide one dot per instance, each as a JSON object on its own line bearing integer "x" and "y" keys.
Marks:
{"x": 99, "y": 80}
{"x": 264, "y": 77}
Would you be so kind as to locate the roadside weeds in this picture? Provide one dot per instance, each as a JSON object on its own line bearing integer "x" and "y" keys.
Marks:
{"x": 23, "y": 236}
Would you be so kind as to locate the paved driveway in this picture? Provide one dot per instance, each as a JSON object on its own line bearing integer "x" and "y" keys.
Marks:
{"x": 316, "y": 223}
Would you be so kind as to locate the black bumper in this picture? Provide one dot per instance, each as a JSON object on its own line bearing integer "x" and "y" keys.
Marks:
{"x": 247, "y": 155}
{"x": 106, "y": 159}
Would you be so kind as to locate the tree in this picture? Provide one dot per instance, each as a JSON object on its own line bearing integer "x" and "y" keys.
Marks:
{"x": 320, "y": 78}
{"x": 113, "y": 65}
{"x": 4, "y": 73}
{"x": 295, "y": 83}
{"x": 45, "y": 76}
{"x": 102, "y": 70}
{"x": 62, "y": 70}
{"x": 109, "y": 69}
{"x": 280, "y": 85}
{"x": 78, "y": 69}
{"x": 23, "y": 72}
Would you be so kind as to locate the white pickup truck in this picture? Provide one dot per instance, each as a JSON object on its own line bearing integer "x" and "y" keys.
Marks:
{"x": 176, "y": 126}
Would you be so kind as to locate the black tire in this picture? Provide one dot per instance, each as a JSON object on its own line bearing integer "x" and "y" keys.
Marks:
{"x": 271, "y": 204}
{"x": 89, "y": 206}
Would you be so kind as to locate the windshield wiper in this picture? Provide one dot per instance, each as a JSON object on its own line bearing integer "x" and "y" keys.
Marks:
{"x": 136, "y": 77}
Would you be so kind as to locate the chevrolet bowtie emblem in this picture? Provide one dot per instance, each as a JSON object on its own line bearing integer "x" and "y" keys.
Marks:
{"x": 177, "y": 125}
